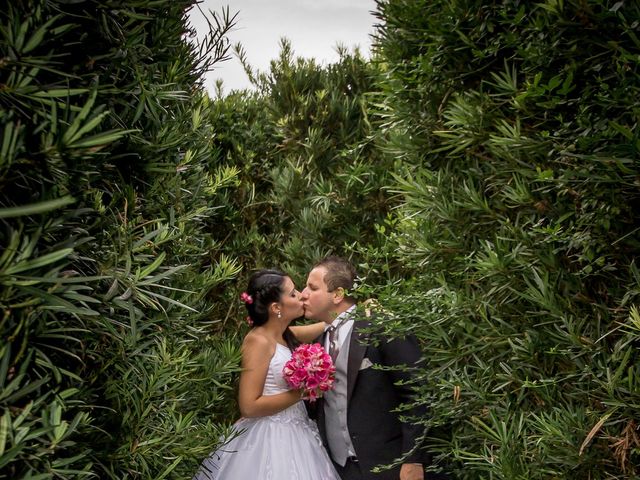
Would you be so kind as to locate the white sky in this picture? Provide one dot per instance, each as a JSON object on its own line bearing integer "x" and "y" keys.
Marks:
{"x": 314, "y": 28}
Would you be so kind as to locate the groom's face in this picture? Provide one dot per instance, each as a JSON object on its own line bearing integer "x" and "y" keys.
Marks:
{"x": 316, "y": 298}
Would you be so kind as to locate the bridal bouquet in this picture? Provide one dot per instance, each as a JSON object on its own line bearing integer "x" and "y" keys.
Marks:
{"x": 311, "y": 369}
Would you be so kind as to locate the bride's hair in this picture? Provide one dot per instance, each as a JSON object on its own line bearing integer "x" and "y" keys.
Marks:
{"x": 265, "y": 287}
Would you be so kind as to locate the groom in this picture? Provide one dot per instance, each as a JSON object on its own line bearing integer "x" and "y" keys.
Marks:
{"x": 355, "y": 419}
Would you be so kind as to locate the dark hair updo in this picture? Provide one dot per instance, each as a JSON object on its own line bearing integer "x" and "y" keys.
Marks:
{"x": 265, "y": 287}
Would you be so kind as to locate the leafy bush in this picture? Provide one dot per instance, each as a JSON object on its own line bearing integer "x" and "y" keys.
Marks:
{"x": 311, "y": 177}
{"x": 481, "y": 170}
{"x": 108, "y": 192}
{"x": 516, "y": 126}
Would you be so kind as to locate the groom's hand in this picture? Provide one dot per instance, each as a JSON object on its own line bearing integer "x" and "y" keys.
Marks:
{"x": 411, "y": 471}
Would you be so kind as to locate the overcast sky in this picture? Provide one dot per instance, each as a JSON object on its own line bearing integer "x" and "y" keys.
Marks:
{"x": 314, "y": 28}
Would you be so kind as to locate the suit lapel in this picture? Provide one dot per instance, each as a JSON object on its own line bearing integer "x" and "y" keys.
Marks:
{"x": 357, "y": 349}
{"x": 318, "y": 407}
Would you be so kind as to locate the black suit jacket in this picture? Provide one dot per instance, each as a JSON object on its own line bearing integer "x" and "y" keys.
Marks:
{"x": 377, "y": 434}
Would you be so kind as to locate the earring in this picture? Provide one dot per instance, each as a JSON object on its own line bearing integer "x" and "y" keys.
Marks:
{"x": 279, "y": 315}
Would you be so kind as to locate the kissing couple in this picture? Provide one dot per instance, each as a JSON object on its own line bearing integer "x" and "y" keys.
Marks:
{"x": 356, "y": 427}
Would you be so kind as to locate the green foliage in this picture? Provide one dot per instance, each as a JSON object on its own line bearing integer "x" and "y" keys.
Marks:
{"x": 515, "y": 124}
{"x": 107, "y": 365}
{"x": 311, "y": 177}
{"x": 482, "y": 171}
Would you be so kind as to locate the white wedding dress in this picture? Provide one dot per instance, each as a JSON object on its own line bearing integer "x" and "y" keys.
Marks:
{"x": 283, "y": 446}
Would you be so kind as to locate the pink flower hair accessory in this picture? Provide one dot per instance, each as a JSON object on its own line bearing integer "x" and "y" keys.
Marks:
{"x": 249, "y": 321}
{"x": 246, "y": 298}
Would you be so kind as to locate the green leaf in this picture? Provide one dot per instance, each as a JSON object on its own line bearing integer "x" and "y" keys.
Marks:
{"x": 5, "y": 423}
{"x": 60, "y": 92}
{"x": 36, "y": 208}
{"x": 7, "y": 395}
{"x": 170, "y": 468}
{"x": 100, "y": 139}
{"x": 5, "y": 353}
{"x": 39, "y": 34}
{"x": 42, "y": 261}
{"x": 9, "y": 142}
{"x": 72, "y": 131}
{"x": 141, "y": 274}
{"x": 10, "y": 454}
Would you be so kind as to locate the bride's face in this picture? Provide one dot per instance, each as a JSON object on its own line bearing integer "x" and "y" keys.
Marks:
{"x": 290, "y": 301}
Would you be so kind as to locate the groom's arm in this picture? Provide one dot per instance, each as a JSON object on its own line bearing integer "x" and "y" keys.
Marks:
{"x": 405, "y": 352}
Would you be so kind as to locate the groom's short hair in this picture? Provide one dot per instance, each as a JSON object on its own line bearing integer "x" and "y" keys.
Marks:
{"x": 340, "y": 272}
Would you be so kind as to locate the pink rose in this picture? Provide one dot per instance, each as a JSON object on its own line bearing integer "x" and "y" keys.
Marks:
{"x": 311, "y": 369}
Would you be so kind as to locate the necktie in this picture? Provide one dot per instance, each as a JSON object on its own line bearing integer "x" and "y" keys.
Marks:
{"x": 334, "y": 348}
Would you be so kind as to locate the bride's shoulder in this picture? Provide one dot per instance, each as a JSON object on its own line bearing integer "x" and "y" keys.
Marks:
{"x": 258, "y": 342}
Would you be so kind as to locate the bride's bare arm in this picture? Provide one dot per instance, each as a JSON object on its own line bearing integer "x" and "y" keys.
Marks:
{"x": 308, "y": 333}
{"x": 256, "y": 355}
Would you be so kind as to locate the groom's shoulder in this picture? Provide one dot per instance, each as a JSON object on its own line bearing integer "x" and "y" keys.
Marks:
{"x": 377, "y": 323}
{"x": 371, "y": 309}
{"x": 370, "y": 313}
{"x": 369, "y": 322}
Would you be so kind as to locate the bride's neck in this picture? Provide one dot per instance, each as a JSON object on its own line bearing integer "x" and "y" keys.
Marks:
{"x": 275, "y": 331}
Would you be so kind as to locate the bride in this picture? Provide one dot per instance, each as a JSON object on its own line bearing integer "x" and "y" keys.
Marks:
{"x": 275, "y": 437}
